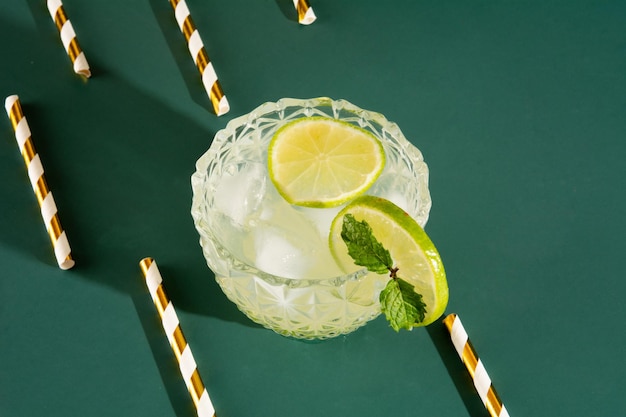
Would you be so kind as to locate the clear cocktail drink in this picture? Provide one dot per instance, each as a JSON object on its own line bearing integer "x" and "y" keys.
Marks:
{"x": 271, "y": 258}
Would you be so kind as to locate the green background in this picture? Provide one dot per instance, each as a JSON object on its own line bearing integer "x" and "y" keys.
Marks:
{"x": 519, "y": 108}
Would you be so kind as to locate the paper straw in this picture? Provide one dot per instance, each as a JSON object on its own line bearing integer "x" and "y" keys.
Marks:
{"x": 475, "y": 366}
{"x": 182, "y": 351}
{"x": 35, "y": 173}
{"x": 68, "y": 37}
{"x": 201, "y": 58}
{"x": 306, "y": 16}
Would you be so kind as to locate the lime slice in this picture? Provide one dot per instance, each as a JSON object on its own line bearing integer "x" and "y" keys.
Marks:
{"x": 323, "y": 162}
{"x": 411, "y": 250}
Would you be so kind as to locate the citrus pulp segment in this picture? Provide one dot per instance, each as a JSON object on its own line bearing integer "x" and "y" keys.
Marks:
{"x": 323, "y": 162}
{"x": 411, "y": 250}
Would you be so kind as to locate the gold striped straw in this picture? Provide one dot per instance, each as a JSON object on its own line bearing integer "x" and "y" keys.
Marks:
{"x": 182, "y": 351}
{"x": 47, "y": 205}
{"x": 68, "y": 37}
{"x": 306, "y": 16}
{"x": 475, "y": 366}
{"x": 201, "y": 58}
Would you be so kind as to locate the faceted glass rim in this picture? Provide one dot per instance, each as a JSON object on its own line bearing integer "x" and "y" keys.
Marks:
{"x": 334, "y": 109}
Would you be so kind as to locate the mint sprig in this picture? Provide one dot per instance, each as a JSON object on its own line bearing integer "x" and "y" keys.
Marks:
{"x": 402, "y": 305}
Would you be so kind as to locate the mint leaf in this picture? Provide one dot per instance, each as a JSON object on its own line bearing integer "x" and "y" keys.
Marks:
{"x": 402, "y": 306}
{"x": 363, "y": 247}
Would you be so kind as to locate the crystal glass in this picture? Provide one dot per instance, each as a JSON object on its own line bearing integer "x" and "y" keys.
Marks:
{"x": 272, "y": 259}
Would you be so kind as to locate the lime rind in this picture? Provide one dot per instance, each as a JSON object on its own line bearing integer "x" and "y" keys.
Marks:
{"x": 420, "y": 265}
{"x": 348, "y": 181}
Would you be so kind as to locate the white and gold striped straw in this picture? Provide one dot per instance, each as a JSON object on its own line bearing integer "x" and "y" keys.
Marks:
{"x": 306, "y": 16}
{"x": 201, "y": 58}
{"x": 46, "y": 202}
{"x": 475, "y": 366}
{"x": 182, "y": 351}
{"x": 68, "y": 38}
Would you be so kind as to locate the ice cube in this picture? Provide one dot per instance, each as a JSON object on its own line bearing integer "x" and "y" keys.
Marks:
{"x": 395, "y": 188}
{"x": 321, "y": 218}
{"x": 280, "y": 253}
{"x": 240, "y": 194}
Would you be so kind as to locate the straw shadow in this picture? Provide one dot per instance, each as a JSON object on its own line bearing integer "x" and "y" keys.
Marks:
{"x": 42, "y": 18}
{"x": 161, "y": 351}
{"x": 457, "y": 371}
{"x": 164, "y": 15}
{"x": 163, "y": 356}
{"x": 200, "y": 296}
{"x": 287, "y": 9}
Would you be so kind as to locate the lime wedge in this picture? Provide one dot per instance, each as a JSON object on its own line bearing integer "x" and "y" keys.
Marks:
{"x": 323, "y": 162}
{"x": 411, "y": 250}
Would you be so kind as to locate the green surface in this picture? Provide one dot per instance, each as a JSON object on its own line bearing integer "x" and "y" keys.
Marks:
{"x": 518, "y": 107}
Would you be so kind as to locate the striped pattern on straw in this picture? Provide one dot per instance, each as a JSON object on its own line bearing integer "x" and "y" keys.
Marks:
{"x": 68, "y": 37}
{"x": 475, "y": 366}
{"x": 46, "y": 202}
{"x": 306, "y": 16}
{"x": 182, "y": 351}
{"x": 201, "y": 58}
